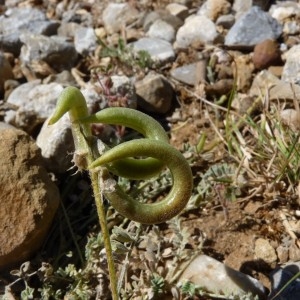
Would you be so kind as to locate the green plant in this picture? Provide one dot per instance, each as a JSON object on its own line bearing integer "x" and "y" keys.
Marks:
{"x": 126, "y": 54}
{"x": 93, "y": 155}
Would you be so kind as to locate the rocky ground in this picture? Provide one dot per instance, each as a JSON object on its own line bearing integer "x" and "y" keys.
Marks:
{"x": 222, "y": 77}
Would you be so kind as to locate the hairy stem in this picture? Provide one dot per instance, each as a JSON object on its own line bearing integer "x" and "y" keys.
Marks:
{"x": 73, "y": 102}
{"x": 98, "y": 195}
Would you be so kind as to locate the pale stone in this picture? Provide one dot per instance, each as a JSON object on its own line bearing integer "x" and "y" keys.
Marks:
{"x": 264, "y": 251}
{"x": 196, "y": 29}
{"x": 218, "y": 278}
{"x": 178, "y": 10}
{"x": 117, "y": 15}
{"x": 214, "y": 8}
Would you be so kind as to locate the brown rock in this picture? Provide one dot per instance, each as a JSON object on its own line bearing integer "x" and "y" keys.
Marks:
{"x": 243, "y": 69}
{"x": 155, "y": 93}
{"x": 216, "y": 8}
{"x": 5, "y": 71}
{"x": 265, "y": 54}
{"x": 28, "y": 198}
{"x": 221, "y": 87}
{"x": 264, "y": 251}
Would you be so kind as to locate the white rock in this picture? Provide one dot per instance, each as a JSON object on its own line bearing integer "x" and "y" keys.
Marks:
{"x": 291, "y": 69}
{"x": 35, "y": 103}
{"x": 123, "y": 87}
{"x": 161, "y": 30}
{"x": 117, "y": 15}
{"x": 57, "y": 145}
{"x": 214, "y": 8}
{"x": 18, "y": 94}
{"x": 178, "y": 10}
{"x": 85, "y": 40}
{"x": 218, "y": 278}
{"x": 285, "y": 10}
{"x": 159, "y": 50}
{"x": 196, "y": 29}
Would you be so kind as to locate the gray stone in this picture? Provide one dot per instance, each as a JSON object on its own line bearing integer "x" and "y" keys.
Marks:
{"x": 218, "y": 278}
{"x": 149, "y": 19}
{"x": 64, "y": 78}
{"x": 178, "y": 10}
{"x": 226, "y": 21}
{"x": 291, "y": 69}
{"x": 123, "y": 88}
{"x": 185, "y": 74}
{"x": 54, "y": 51}
{"x": 121, "y": 93}
{"x": 35, "y": 102}
{"x": 163, "y": 15}
{"x": 284, "y": 91}
{"x": 68, "y": 29}
{"x": 159, "y": 50}
{"x": 174, "y": 21}
{"x": 196, "y": 29}
{"x": 85, "y": 40}
{"x": 56, "y": 143}
{"x": 155, "y": 93}
{"x": 75, "y": 15}
{"x": 23, "y": 19}
{"x": 262, "y": 82}
{"x": 117, "y": 15}
{"x": 28, "y": 197}
{"x": 252, "y": 28}
{"x": 161, "y": 30}
{"x": 94, "y": 96}
{"x": 280, "y": 277}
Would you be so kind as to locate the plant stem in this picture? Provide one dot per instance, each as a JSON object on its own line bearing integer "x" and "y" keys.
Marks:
{"x": 96, "y": 181}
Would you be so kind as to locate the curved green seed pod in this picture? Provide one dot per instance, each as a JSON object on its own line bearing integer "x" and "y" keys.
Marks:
{"x": 72, "y": 101}
{"x": 142, "y": 123}
{"x": 131, "y": 118}
{"x": 157, "y": 212}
